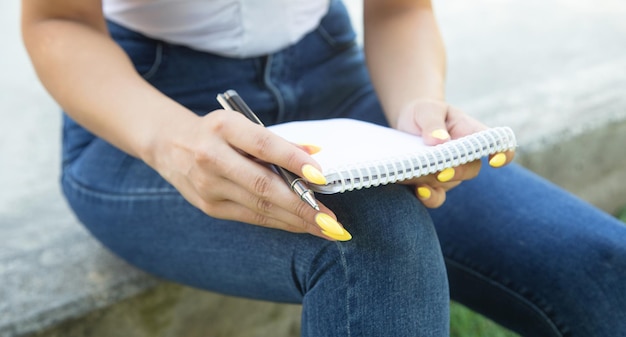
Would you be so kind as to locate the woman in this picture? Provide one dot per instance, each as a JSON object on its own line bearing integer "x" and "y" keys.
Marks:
{"x": 180, "y": 192}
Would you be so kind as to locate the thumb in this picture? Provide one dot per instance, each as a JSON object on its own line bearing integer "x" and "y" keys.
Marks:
{"x": 431, "y": 121}
{"x": 435, "y": 135}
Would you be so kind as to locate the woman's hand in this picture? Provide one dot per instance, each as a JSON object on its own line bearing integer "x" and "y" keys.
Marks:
{"x": 207, "y": 159}
{"x": 438, "y": 122}
{"x": 218, "y": 166}
{"x": 406, "y": 58}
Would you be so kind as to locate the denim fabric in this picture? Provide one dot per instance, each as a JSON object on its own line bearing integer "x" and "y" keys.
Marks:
{"x": 518, "y": 249}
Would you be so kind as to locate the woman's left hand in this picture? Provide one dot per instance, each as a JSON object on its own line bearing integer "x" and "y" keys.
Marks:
{"x": 438, "y": 122}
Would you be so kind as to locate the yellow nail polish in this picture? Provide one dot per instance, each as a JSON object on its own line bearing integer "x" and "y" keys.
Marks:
{"x": 498, "y": 160}
{"x": 343, "y": 237}
{"x": 328, "y": 224}
{"x": 446, "y": 175}
{"x": 310, "y": 149}
{"x": 424, "y": 193}
{"x": 313, "y": 175}
{"x": 440, "y": 134}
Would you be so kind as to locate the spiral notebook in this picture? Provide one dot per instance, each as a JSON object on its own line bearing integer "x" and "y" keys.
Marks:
{"x": 356, "y": 154}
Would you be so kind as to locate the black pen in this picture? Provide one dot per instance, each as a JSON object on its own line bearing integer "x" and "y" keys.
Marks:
{"x": 230, "y": 100}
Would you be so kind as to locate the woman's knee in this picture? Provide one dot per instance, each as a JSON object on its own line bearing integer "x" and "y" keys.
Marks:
{"x": 390, "y": 217}
{"x": 392, "y": 266}
{"x": 390, "y": 229}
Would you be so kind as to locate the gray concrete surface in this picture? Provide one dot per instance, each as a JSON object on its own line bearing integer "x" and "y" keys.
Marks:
{"x": 47, "y": 262}
{"x": 554, "y": 70}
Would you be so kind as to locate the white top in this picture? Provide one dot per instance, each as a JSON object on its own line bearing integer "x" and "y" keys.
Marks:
{"x": 235, "y": 28}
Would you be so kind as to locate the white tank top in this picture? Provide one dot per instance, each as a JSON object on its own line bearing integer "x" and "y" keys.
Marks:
{"x": 235, "y": 28}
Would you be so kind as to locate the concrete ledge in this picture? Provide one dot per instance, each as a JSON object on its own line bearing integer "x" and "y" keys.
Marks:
{"x": 58, "y": 277}
{"x": 571, "y": 130}
{"x": 169, "y": 310}
{"x": 66, "y": 284}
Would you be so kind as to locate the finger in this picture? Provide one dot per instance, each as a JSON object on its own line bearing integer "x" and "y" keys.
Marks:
{"x": 431, "y": 197}
{"x": 457, "y": 174}
{"x": 265, "y": 145}
{"x": 460, "y": 173}
{"x": 237, "y": 178}
{"x": 261, "y": 212}
{"x": 501, "y": 158}
{"x": 258, "y": 187}
{"x": 461, "y": 124}
{"x": 448, "y": 186}
{"x": 229, "y": 210}
{"x": 326, "y": 226}
{"x": 263, "y": 191}
{"x": 432, "y": 121}
{"x": 324, "y": 220}
{"x": 309, "y": 148}
{"x": 239, "y": 195}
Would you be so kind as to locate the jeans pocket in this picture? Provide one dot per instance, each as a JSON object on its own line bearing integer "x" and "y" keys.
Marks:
{"x": 146, "y": 54}
{"x": 336, "y": 27}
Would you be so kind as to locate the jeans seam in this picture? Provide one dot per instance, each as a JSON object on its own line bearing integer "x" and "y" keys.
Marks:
{"x": 332, "y": 41}
{"x": 273, "y": 89}
{"x": 536, "y": 308}
{"x": 344, "y": 264}
{"x": 158, "y": 59}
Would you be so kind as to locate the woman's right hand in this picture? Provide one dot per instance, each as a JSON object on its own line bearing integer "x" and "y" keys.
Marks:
{"x": 210, "y": 159}
{"x": 218, "y": 166}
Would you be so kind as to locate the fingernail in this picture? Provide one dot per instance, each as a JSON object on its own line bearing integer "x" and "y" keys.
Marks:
{"x": 424, "y": 193}
{"x": 440, "y": 134}
{"x": 343, "y": 237}
{"x": 313, "y": 175}
{"x": 310, "y": 149}
{"x": 328, "y": 224}
{"x": 446, "y": 175}
{"x": 498, "y": 160}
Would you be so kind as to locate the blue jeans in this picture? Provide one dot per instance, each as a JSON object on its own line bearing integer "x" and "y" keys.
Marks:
{"x": 507, "y": 244}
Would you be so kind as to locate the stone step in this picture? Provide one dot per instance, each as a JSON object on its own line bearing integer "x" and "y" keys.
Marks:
{"x": 571, "y": 130}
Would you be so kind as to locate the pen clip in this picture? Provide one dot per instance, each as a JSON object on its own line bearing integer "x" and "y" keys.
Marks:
{"x": 224, "y": 102}
{"x": 235, "y": 102}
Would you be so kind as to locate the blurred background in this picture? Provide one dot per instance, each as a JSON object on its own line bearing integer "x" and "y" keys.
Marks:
{"x": 555, "y": 70}
{"x": 497, "y": 46}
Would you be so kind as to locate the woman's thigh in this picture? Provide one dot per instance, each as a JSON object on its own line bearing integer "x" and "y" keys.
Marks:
{"x": 532, "y": 256}
{"x": 139, "y": 216}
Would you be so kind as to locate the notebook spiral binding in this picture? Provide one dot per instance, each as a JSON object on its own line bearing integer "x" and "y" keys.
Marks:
{"x": 439, "y": 157}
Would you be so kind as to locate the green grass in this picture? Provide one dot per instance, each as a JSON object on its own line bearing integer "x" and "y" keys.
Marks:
{"x": 466, "y": 323}
{"x": 622, "y": 214}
